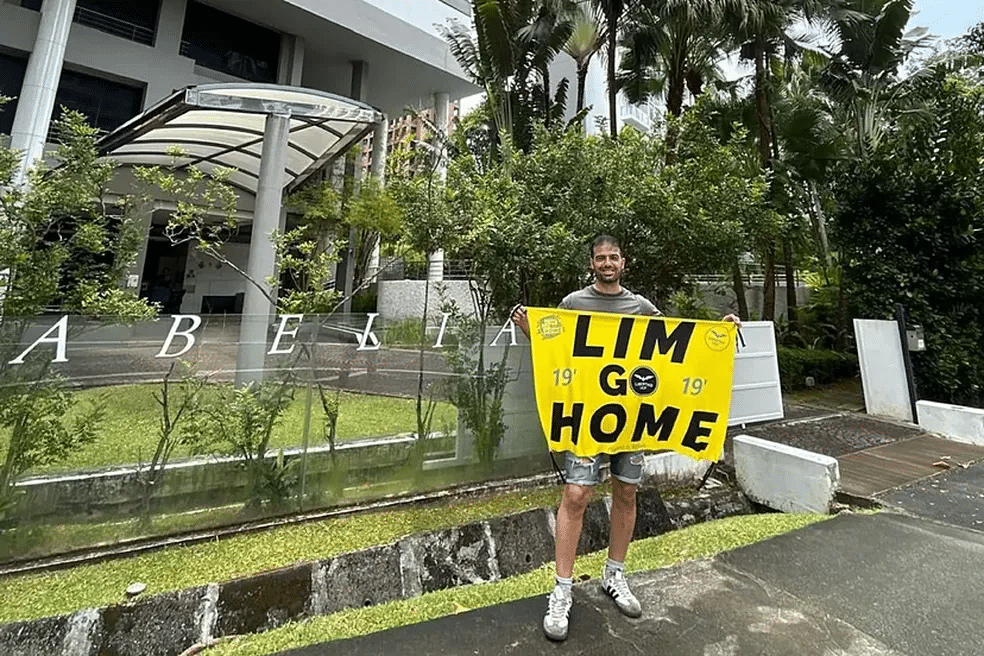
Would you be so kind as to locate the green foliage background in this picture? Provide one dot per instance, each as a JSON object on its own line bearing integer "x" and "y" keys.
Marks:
{"x": 911, "y": 228}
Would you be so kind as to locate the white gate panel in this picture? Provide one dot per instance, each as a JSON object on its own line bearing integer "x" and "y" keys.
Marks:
{"x": 756, "y": 394}
{"x": 886, "y": 387}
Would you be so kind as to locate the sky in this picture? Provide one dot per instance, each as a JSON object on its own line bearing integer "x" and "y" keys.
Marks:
{"x": 947, "y": 18}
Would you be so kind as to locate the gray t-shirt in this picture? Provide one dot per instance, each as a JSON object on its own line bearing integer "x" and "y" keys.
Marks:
{"x": 590, "y": 299}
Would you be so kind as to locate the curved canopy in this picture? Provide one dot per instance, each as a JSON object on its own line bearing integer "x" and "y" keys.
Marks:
{"x": 222, "y": 125}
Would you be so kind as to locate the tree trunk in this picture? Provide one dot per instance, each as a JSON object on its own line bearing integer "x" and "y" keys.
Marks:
{"x": 791, "y": 304}
{"x": 820, "y": 227}
{"x": 675, "y": 88}
{"x": 769, "y": 284}
{"x": 738, "y": 282}
{"x": 612, "y": 47}
{"x": 545, "y": 75}
{"x": 674, "y": 105}
{"x": 582, "y": 76}
{"x": 763, "y": 112}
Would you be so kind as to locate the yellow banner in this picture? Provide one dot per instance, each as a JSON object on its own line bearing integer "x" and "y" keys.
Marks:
{"x": 608, "y": 383}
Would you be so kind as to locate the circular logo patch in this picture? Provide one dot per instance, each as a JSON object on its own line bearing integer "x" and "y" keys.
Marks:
{"x": 643, "y": 381}
{"x": 717, "y": 339}
{"x": 550, "y": 326}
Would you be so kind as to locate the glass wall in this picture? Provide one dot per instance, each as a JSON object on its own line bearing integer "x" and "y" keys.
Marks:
{"x": 228, "y": 44}
{"x": 113, "y": 431}
{"x": 107, "y": 103}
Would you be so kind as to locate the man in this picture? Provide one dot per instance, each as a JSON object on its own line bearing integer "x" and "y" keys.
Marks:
{"x": 605, "y": 294}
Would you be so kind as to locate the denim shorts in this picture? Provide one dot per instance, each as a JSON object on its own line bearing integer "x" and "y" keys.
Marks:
{"x": 626, "y": 467}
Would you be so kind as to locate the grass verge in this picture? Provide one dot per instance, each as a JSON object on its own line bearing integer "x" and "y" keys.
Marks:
{"x": 699, "y": 541}
{"x": 90, "y": 586}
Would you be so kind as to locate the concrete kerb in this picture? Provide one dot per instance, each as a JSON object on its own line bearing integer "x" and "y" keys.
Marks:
{"x": 785, "y": 478}
{"x": 484, "y": 551}
{"x": 955, "y": 422}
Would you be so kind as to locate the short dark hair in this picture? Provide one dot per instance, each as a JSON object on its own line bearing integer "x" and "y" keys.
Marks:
{"x": 601, "y": 240}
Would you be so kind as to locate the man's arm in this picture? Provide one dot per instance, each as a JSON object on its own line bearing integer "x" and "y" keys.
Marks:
{"x": 520, "y": 319}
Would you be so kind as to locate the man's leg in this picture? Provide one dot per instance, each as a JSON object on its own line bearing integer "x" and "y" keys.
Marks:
{"x": 623, "y": 519}
{"x": 581, "y": 474}
{"x": 626, "y": 473}
{"x": 570, "y": 519}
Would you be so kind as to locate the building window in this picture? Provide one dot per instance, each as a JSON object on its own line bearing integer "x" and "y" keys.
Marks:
{"x": 222, "y": 42}
{"x": 135, "y": 20}
{"x": 106, "y": 103}
{"x": 12, "y": 68}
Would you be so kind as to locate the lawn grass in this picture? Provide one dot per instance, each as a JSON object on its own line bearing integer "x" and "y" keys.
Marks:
{"x": 698, "y": 541}
{"x": 129, "y": 433}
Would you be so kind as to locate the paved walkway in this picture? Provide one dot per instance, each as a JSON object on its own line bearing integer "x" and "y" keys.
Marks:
{"x": 907, "y": 581}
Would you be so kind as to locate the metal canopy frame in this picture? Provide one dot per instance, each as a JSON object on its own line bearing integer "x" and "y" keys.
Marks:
{"x": 216, "y": 126}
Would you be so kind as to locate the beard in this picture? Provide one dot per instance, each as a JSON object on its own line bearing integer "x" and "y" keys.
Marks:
{"x": 608, "y": 276}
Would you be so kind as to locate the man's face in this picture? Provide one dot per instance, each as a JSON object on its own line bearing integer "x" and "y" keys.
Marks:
{"x": 607, "y": 263}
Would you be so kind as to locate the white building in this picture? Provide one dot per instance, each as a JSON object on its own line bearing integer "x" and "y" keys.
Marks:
{"x": 640, "y": 116}
{"x": 114, "y": 60}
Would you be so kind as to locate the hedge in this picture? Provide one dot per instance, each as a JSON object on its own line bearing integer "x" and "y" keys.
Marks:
{"x": 795, "y": 364}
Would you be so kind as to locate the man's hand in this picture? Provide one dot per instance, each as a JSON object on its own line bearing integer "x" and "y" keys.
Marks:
{"x": 519, "y": 318}
{"x": 733, "y": 318}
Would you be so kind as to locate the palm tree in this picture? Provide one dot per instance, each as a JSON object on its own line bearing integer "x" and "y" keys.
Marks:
{"x": 612, "y": 11}
{"x": 585, "y": 40}
{"x": 862, "y": 76}
{"x": 545, "y": 37}
{"x": 761, "y": 30}
{"x": 673, "y": 46}
{"x": 513, "y": 41}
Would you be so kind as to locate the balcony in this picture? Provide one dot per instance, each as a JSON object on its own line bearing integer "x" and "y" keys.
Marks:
{"x": 114, "y": 26}
{"x": 105, "y": 23}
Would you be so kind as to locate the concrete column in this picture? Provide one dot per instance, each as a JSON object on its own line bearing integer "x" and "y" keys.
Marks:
{"x": 257, "y": 309}
{"x": 37, "y": 96}
{"x": 377, "y": 168}
{"x": 435, "y": 269}
{"x": 170, "y": 25}
{"x": 380, "y": 144}
{"x": 291, "y": 66}
{"x": 346, "y": 270}
{"x": 136, "y": 269}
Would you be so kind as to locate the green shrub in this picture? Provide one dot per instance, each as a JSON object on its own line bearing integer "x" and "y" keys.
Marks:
{"x": 795, "y": 364}
{"x": 405, "y": 332}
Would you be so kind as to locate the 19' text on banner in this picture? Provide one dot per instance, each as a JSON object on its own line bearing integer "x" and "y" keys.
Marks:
{"x": 608, "y": 383}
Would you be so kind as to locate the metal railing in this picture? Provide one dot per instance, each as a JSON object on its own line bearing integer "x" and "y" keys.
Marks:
{"x": 114, "y": 26}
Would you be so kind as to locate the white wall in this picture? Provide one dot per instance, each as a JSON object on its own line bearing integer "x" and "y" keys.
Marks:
{"x": 423, "y": 14}
{"x": 403, "y": 299}
{"x": 206, "y": 277}
{"x": 595, "y": 93}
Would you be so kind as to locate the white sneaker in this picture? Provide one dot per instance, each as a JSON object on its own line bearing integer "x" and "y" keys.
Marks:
{"x": 618, "y": 589}
{"x": 558, "y": 610}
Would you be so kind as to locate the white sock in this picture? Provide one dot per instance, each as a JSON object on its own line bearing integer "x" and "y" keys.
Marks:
{"x": 612, "y": 566}
{"x": 565, "y": 585}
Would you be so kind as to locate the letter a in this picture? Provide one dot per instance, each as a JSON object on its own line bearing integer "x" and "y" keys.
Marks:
{"x": 61, "y": 328}
{"x": 508, "y": 327}
{"x": 187, "y": 334}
